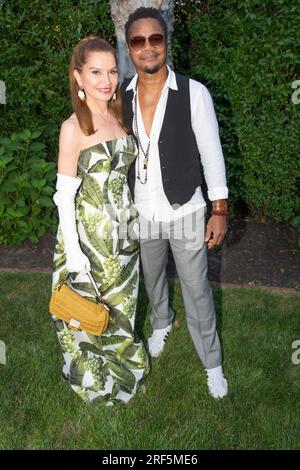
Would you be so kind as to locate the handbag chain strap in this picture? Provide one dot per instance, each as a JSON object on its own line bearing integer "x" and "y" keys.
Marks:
{"x": 98, "y": 296}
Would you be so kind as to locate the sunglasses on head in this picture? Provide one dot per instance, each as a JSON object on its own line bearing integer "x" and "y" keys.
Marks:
{"x": 138, "y": 42}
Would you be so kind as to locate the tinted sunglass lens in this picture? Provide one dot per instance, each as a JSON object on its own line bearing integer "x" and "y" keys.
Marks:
{"x": 137, "y": 42}
{"x": 156, "y": 40}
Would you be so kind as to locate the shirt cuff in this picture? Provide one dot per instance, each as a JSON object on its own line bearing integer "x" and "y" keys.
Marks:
{"x": 218, "y": 193}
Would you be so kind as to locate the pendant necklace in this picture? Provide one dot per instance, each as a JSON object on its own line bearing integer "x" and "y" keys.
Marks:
{"x": 146, "y": 154}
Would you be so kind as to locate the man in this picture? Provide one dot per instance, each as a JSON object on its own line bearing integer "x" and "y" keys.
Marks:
{"x": 174, "y": 121}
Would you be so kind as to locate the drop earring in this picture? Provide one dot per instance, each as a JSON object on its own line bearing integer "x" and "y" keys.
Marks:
{"x": 114, "y": 97}
{"x": 81, "y": 94}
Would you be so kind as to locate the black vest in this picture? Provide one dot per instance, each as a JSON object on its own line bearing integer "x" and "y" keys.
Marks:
{"x": 179, "y": 156}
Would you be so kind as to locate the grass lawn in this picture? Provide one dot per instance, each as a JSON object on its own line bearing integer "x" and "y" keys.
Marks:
{"x": 175, "y": 411}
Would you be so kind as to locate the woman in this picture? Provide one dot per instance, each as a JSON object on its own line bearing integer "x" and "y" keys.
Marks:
{"x": 94, "y": 205}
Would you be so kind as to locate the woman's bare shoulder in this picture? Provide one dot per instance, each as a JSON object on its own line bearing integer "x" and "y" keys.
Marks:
{"x": 70, "y": 125}
{"x": 70, "y": 132}
{"x": 69, "y": 146}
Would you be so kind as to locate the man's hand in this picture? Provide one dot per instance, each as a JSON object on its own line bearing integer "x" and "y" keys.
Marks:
{"x": 215, "y": 231}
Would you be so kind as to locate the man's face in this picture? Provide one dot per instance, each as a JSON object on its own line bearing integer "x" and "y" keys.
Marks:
{"x": 147, "y": 55}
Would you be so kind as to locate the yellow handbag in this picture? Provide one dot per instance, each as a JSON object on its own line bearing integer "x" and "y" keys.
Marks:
{"x": 78, "y": 312}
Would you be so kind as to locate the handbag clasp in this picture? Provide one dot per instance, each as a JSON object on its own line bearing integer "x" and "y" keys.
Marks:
{"x": 74, "y": 324}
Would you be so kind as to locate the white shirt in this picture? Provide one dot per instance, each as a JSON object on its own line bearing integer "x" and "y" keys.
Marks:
{"x": 150, "y": 198}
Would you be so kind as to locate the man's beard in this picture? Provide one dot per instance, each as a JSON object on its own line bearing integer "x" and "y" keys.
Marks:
{"x": 153, "y": 70}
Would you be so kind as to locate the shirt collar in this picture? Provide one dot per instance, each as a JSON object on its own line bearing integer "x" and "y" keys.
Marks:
{"x": 170, "y": 82}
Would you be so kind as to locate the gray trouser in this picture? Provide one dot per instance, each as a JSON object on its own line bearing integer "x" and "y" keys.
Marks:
{"x": 185, "y": 236}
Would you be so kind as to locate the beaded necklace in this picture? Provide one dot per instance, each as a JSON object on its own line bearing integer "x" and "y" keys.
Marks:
{"x": 146, "y": 154}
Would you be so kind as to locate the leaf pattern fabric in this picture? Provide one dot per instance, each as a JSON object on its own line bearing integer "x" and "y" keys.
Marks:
{"x": 111, "y": 367}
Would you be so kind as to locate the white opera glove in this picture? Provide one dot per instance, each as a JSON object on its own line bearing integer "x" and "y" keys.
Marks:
{"x": 64, "y": 198}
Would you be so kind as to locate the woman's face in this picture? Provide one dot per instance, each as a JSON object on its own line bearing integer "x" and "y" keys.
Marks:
{"x": 99, "y": 76}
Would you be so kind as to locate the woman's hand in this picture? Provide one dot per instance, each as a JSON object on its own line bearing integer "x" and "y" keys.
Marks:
{"x": 78, "y": 262}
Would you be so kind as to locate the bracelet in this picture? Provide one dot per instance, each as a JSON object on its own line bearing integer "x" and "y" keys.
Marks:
{"x": 219, "y": 212}
{"x": 219, "y": 207}
{"x": 220, "y": 204}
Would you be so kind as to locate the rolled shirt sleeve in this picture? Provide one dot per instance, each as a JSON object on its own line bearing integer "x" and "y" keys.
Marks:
{"x": 206, "y": 130}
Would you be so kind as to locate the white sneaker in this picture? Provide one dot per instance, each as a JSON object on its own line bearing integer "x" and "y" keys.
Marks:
{"x": 217, "y": 384}
{"x": 156, "y": 342}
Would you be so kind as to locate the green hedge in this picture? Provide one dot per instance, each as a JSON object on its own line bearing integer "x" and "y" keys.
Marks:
{"x": 245, "y": 51}
{"x": 37, "y": 39}
{"x": 26, "y": 188}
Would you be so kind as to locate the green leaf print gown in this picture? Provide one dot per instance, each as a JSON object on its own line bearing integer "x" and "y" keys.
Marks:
{"x": 108, "y": 368}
